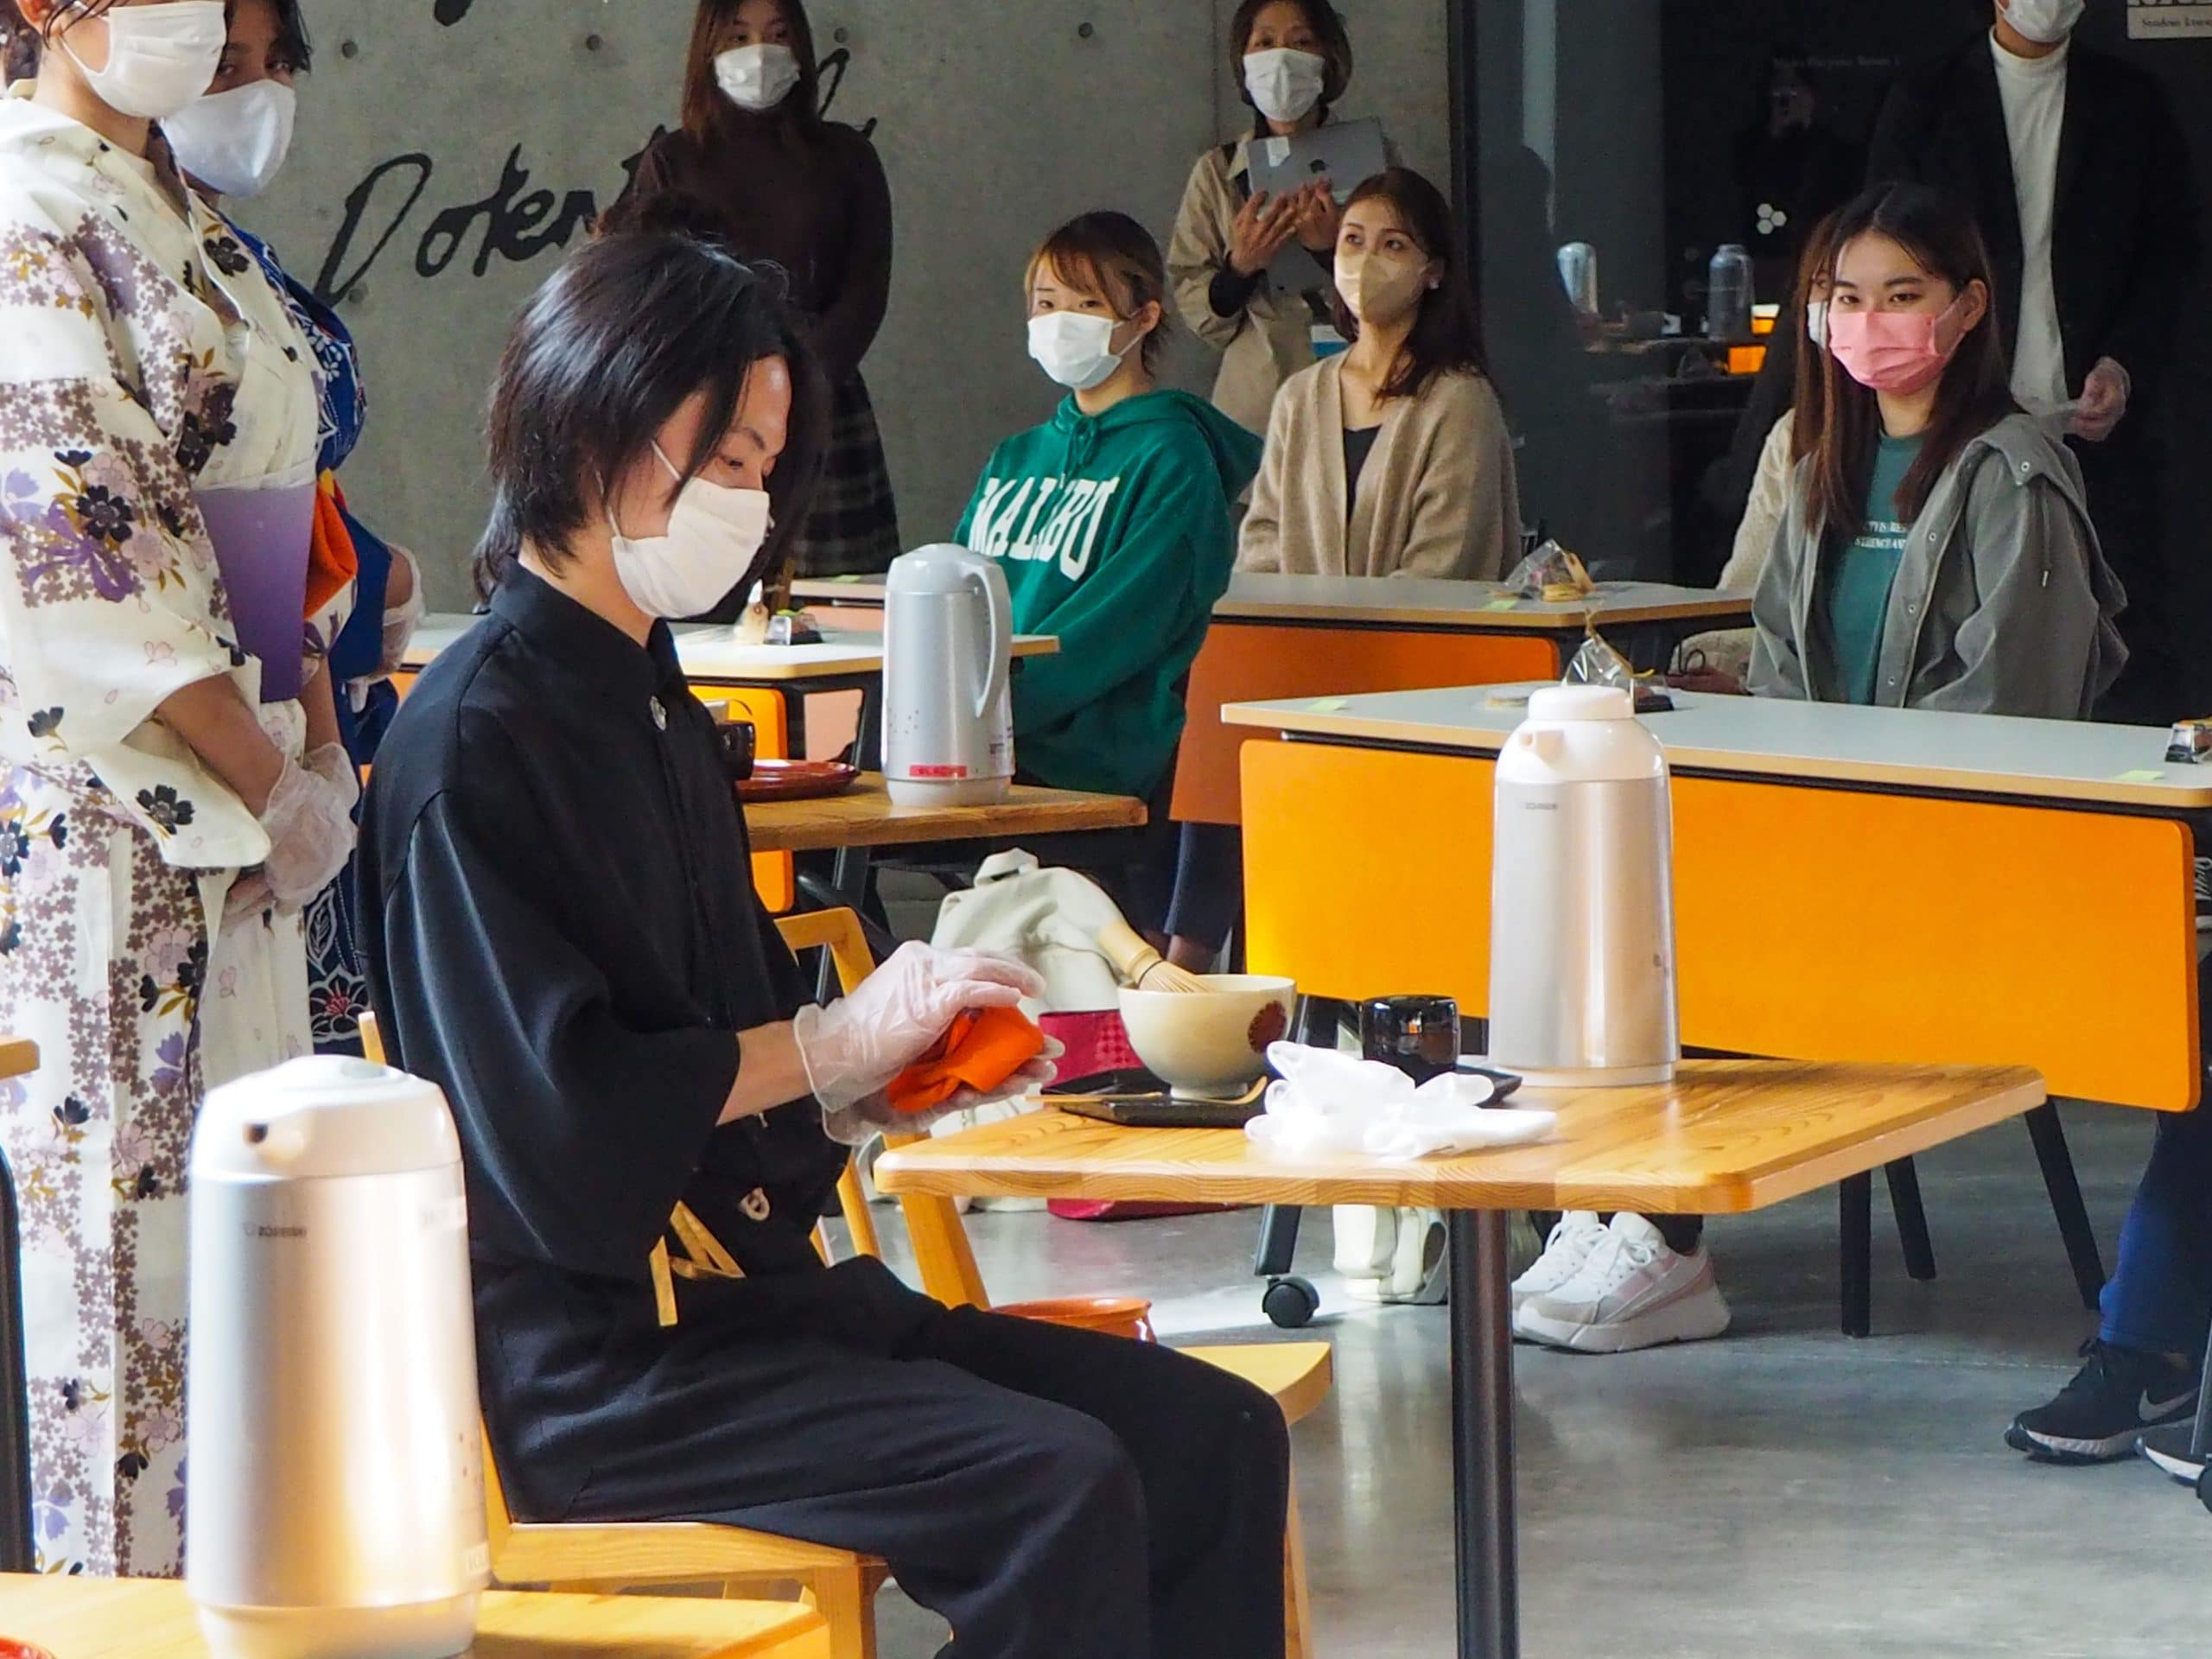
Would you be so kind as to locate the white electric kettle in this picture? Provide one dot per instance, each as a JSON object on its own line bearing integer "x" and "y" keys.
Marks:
{"x": 948, "y": 648}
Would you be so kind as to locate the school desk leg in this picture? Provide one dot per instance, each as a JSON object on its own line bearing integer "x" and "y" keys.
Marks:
{"x": 1912, "y": 1219}
{"x": 1482, "y": 1437}
{"x": 1856, "y": 1200}
{"x": 2059, "y": 1180}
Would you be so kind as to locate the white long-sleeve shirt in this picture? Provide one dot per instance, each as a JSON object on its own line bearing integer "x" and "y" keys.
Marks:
{"x": 2034, "y": 91}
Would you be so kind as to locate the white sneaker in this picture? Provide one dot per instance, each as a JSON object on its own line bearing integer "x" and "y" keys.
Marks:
{"x": 1395, "y": 1256}
{"x": 1572, "y": 1239}
{"x": 1632, "y": 1293}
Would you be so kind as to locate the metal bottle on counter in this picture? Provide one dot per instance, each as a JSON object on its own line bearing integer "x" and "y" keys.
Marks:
{"x": 1728, "y": 295}
{"x": 1582, "y": 911}
{"x": 948, "y": 705}
{"x": 334, "y": 1491}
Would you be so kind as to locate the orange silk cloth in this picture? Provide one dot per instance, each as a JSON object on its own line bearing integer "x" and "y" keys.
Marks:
{"x": 980, "y": 1051}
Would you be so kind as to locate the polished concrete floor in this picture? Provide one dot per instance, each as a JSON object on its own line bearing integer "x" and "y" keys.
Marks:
{"x": 1784, "y": 1491}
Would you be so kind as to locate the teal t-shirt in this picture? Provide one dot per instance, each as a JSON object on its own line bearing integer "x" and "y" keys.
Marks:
{"x": 1855, "y": 593}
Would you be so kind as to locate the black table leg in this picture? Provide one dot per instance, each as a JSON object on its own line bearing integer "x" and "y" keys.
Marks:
{"x": 1855, "y": 1195}
{"x": 1912, "y": 1219}
{"x": 1482, "y": 1438}
{"x": 2059, "y": 1180}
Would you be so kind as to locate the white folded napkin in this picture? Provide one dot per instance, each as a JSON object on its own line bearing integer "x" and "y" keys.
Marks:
{"x": 1332, "y": 1103}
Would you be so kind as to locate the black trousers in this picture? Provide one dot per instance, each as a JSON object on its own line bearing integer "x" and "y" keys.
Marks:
{"x": 1053, "y": 1494}
{"x": 2126, "y": 482}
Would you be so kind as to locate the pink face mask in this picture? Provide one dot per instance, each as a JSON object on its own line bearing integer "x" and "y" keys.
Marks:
{"x": 1896, "y": 352}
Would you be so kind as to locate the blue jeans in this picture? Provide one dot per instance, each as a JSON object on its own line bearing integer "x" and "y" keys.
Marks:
{"x": 2160, "y": 1298}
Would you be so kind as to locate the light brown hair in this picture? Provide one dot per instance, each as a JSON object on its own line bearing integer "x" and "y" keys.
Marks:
{"x": 1111, "y": 256}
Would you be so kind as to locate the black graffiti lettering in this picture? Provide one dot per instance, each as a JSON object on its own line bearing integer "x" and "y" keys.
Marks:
{"x": 509, "y": 223}
{"x": 832, "y": 74}
{"x": 329, "y": 286}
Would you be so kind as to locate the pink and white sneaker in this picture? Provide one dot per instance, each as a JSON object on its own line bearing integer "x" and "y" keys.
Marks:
{"x": 1632, "y": 1293}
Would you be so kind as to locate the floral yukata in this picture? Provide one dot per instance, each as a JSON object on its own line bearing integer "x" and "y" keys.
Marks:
{"x": 143, "y": 357}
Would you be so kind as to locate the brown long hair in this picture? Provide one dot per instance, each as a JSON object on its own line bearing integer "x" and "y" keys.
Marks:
{"x": 1113, "y": 256}
{"x": 1810, "y": 407}
{"x": 1447, "y": 334}
{"x": 1974, "y": 395}
{"x": 706, "y": 111}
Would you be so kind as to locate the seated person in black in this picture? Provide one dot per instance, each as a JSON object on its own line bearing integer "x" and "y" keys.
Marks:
{"x": 561, "y": 932}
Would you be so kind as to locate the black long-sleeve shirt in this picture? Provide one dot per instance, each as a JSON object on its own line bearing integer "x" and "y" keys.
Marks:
{"x": 561, "y": 932}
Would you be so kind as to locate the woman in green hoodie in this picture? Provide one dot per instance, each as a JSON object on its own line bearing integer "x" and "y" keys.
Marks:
{"x": 1114, "y": 521}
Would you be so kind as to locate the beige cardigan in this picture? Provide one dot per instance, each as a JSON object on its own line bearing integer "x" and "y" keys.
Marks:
{"x": 1273, "y": 338}
{"x": 1438, "y": 496}
{"x": 1730, "y": 651}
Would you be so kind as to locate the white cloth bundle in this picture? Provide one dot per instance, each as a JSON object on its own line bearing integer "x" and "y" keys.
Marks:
{"x": 1331, "y": 1102}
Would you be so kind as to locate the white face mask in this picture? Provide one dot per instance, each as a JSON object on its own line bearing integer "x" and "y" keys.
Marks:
{"x": 1286, "y": 85}
{"x": 2045, "y": 21}
{"x": 234, "y": 142}
{"x": 1816, "y": 323}
{"x": 1076, "y": 350}
{"x": 757, "y": 78}
{"x": 159, "y": 57}
{"x": 713, "y": 536}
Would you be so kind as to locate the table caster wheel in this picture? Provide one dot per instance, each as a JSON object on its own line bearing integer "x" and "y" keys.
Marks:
{"x": 1291, "y": 1303}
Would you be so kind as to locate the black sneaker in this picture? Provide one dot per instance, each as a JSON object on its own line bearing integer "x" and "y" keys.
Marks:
{"x": 2099, "y": 1417}
{"x": 2169, "y": 1449}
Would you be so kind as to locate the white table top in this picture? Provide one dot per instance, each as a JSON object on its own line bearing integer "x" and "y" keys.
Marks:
{"x": 1375, "y": 602}
{"x": 1898, "y": 748}
{"x": 711, "y": 654}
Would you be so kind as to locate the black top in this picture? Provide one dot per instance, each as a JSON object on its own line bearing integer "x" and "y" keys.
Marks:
{"x": 814, "y": 201}
{"x": 1358, "y": 445}
{"x": 560, "y": 928}
{"x": 2124, "y": 233}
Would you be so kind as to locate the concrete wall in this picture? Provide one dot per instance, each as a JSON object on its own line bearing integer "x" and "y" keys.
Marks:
{"x": 449, "y": 148}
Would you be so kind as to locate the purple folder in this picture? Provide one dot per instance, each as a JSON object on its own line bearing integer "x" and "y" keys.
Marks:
{"x": 262, "y": 536}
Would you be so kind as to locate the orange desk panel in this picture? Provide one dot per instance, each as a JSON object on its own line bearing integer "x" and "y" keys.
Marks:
{"x": 1245, "y": 662}
{"x": 1812, "y": 924}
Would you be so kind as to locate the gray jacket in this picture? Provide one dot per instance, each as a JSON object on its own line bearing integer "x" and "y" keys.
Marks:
{"x": 2003, "y": 603}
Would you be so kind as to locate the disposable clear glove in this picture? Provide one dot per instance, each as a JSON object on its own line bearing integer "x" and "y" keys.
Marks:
{"x": 310, "y": 824}
{"x": 853, "y": 1049}
{"x": 335, "y": 767}
{"x": 856, "y": 1124}
{"x": 401, "y": 620}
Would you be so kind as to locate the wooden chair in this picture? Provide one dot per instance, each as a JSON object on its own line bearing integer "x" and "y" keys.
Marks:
{"x": 600, "y": 1558}
{"x": 1296, "y": 1375}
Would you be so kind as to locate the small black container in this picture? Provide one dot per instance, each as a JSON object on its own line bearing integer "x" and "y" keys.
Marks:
{"x": 1420, "y": 1035}
{"x": 740, "y": 743}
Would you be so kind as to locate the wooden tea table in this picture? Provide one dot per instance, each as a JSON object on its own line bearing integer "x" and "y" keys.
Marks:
{"x": 1728, "y": 1137}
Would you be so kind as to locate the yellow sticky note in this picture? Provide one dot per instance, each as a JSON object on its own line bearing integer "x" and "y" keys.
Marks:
{"x": 2141, "y": 777}
{"x": 1502, "y": 604}
{"x": 1328, "y": 705}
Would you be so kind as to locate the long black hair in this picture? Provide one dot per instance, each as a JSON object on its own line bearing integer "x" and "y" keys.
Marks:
{"x": 625, "y": 334}
{"x": 1448, "y": 333}
{"x": 1974, "y": 394}
{"x": 706, "y": 111}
